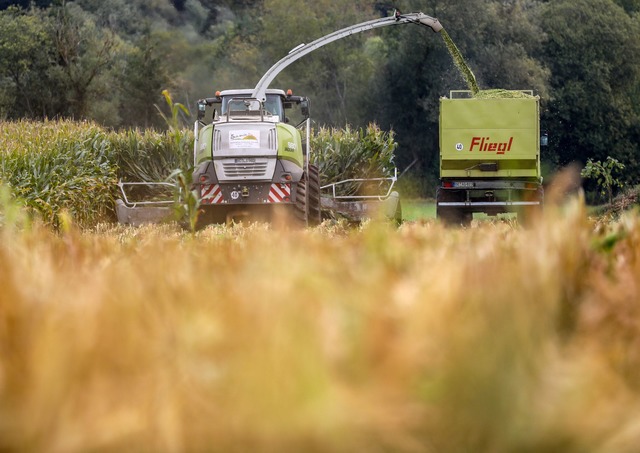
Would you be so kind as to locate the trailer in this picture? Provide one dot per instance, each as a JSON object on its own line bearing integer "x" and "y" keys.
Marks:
{"x": 489, "y": 156}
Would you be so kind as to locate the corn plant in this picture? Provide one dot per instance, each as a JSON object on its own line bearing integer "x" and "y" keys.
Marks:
{"x": 176, "y": 108}
{"x": 150, "y": 155}
{"x": 348, "y": 153}
{"x": 186, "y": 201}
{"x": 61, "y": 165}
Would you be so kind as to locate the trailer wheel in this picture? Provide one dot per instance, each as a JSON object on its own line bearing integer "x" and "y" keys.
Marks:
{"x": 529, "y": 215}
{"x": 452, "y": 215}
{"x": 314, "y": 209}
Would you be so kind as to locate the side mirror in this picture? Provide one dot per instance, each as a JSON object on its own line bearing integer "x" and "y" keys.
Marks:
{"x": 304, "y": 108}
{"x": 201, "y": 110}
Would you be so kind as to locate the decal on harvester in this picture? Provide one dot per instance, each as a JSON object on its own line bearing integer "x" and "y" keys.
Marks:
{"x": 210, "y": 194}
{"x": 279, "y": 193}
{"x": 485, "y": 144}
{"x": 244, "y": 139}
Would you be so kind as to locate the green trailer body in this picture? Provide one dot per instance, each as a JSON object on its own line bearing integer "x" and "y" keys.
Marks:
{"x": 489, "y": 156}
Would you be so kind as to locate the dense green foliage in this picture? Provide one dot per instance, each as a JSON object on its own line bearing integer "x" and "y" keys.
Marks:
{"x": 64, "y": 166}
{"x": 109, "y": 62}
{"x": 593, "y": 53}
{"x": 59, "y": 166}
{"x": 146, "y": 155}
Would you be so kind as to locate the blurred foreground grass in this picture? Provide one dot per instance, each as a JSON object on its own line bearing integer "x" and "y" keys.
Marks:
{"x": 487, "y": 339}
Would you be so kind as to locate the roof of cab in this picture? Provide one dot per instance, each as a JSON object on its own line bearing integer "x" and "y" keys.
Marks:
{"x": 249, "y": 91}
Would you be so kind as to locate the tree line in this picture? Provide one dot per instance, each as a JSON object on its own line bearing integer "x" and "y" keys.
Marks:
{"x": 109, "y": 61}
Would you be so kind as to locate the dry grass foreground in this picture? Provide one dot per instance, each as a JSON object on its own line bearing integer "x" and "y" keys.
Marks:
{"x": 492, "y": 338}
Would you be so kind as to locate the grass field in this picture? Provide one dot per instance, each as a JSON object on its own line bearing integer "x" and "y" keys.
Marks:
{"x": 417, "y": 210}
{"x": 491, "y": 338}
{"x": 414, "y": 210}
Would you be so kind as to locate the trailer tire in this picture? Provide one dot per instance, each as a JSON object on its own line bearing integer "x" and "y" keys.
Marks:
{"x": 529, "y": 215}
{"x": 452, "y": 215}
{"x": 313, "y": 202}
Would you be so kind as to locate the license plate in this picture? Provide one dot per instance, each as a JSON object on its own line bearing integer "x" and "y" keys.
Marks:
{"x": 245, "y": 160}
{"x": 463, "y": 184}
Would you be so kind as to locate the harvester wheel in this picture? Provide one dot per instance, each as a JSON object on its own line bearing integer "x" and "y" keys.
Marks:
{"x": 301, "y": 206}
{"x": 397, "y": 215}
{"x": 313, "y": 203}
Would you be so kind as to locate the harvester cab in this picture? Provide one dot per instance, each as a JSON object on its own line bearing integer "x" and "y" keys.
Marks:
{"x": 232, "y": 104}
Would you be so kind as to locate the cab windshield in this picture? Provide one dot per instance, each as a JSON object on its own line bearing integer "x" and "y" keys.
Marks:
{"x": 273, "y": 104}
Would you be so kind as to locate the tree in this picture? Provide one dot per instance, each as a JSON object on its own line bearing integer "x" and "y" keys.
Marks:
{"x": 25, "y": 54}
{"x": 5, "y": 4}
{"x": 593, "y": 52}
{"x": 146, "y": 72}
{"x": 630, "y": 6}
{"x": 85, "y": 52}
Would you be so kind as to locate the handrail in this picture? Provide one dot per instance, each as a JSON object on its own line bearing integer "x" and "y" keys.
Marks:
{"x": 121, "y": 185}
{"x": 333, "y": 185}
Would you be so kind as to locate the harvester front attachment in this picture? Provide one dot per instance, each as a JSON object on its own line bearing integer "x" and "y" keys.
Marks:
{"x": 158, "y": 208}
{"x": 357, "y": 208}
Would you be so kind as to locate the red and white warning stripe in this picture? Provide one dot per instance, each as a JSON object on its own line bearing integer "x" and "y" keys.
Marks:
{"x": 210, "y": 194}
{"x": 279, "y": 193}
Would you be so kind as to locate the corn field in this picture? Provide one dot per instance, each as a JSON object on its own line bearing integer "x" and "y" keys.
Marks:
{"x": 58, "y": 167}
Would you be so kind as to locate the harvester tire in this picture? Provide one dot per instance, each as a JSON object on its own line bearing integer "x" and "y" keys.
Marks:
{"x": 313, "y": 201}
{"x": 397, "y": 215}
{"x": 301, "y": 211}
